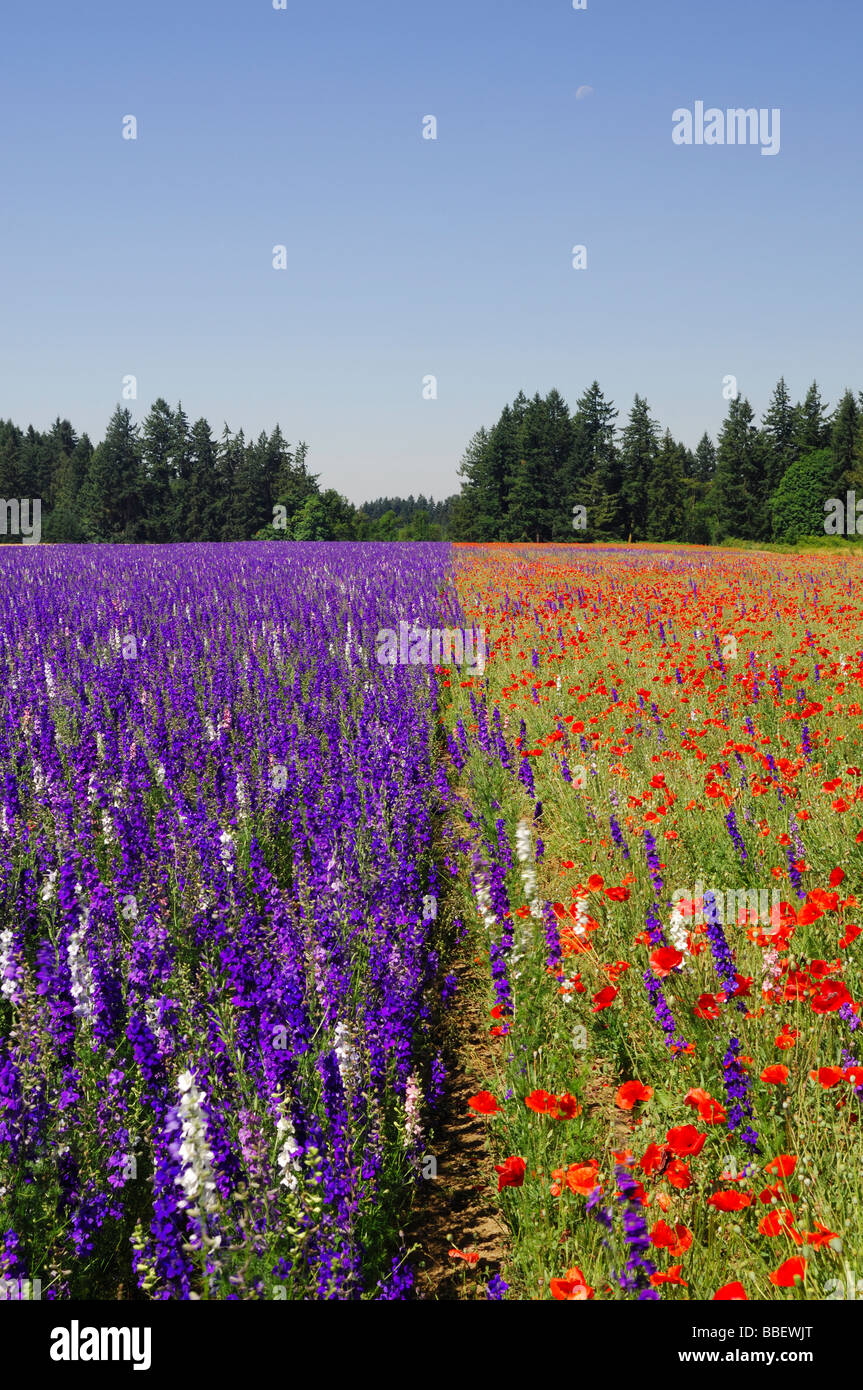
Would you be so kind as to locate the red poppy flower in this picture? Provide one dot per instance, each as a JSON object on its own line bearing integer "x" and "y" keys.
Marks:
{"x": 510, "y": 1173}
{"x": 664, "y": 959}
{"x": 851, "y": 934}
{"x": 706, "y": 1007}
{"x": 652, "y": 1158}
{"x": 776, "y": 1074}
{"x": 830, "y": 997}
{"x": 671, "y": 1276}
{"x": 685, "y": 1141}
{"x": 541, "y": 1102}
{"x": 787, "y": 1038}
{"x": 604, "y": 998}
{"x": 827, "y": 1076}
{"x": 734, "y": 1293}
{"x": 710, "y": 1112}
{"x": 788, "y": 1272}
{"x": 678, "y": 1174}
{"x": 730, "y": 1201}
{"x": 567, "y": 1107}
{"x": 782, "y": 1165}
{"x": 470, "y": 1256}
{"x": 630, "y": 1093}
{"x": 573, "y": 1287}
{"x": 779, "y": 1220}
{"x": 822, "y": 1236}
{"x": 675, "y": 1239}
{"x": 484, "y": 1103}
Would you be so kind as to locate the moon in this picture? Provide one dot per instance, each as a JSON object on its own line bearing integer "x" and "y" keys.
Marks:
{"x": 583, "y": 92}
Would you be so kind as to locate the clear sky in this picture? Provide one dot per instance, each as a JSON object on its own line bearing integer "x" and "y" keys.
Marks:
{"x": 409, "y": 257}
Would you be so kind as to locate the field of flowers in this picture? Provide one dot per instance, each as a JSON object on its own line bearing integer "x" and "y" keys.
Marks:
{"x": 217, "y": 976}
{"x": 661, "y": 779}
{"x": 249, "y": 873}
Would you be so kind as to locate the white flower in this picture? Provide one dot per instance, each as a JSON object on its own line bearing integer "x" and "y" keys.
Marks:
{"x": 286, "y": 1157}
{"x": 346, "y": 1053}
{"x": 196, "y": 1178}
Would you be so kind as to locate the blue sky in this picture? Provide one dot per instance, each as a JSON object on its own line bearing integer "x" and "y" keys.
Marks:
{"x": 410, "y": 257}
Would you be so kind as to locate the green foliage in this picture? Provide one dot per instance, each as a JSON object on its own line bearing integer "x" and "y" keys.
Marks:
{"x": 798, "y": 503}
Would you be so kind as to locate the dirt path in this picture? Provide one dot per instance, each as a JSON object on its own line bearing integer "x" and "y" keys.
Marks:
{"x": 458, "y": 1208}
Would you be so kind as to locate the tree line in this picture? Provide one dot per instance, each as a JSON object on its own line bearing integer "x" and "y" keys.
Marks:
{"x": 540, "y": 473}
{"x": 169, "y": 480}
{"x": 543, "y": 473}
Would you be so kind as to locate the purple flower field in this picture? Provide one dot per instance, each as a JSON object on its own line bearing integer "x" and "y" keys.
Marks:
{"x": 216, "y": 969}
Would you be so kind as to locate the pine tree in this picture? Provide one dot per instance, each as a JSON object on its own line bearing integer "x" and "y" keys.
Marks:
{"x": 204, "y": 513}
{"x": 813, "y": 428}
{"x": 593, "y": 468}
{"x": 667, "y": 493}
{"x": 779, "y": 428}
{"x": 845, "y": 440}
{"x": 705, "y": 460}
{"x": 111, "y": 495}
{"x": 740, "y": 502}
{"x": 158, "y": 452}
{"x": 638, "y": 454}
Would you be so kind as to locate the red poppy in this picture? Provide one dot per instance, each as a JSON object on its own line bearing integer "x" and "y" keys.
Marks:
{"x": 678, "y": 1174}
{"x": 782, "y": 1165}
{"x": 830, "y": 997}
{"x": 541, "y": 1102}
{"x": 827, "y": 1076}
{"x": 484, "y": 1103}
{"x": 630, "y": 1093}
{"x": 510, "y": 1173}
{"x": 675, "y": 1239}
{"x": 822, "y": 1236}
{"x": 707, "y": 1007}
{"x": 685, "y": 1141}
{"x": 573, "y": 1287}
{"x": 777, "y": 1221}
{"x": 851, "y": 934}
{"x": 671, "y": 1276}
{"x": 578, "y": 1177}
{"x": 652, "y": 1158}
{"x": 734, "y": 1293}
{"x": 788, "y": 1272}
{"x": 730, "y": 1201}
{"x": 775, "y": 1075}
{"x": 787, "y": 1038}
{"x": 567, "y": 1107}
{"x": 664, "y": 959}
{"x": 470, "y": 1256}
{"x": 604, "y": 998}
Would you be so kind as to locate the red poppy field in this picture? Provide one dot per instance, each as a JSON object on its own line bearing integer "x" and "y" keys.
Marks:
{"x": 660, "y": 776}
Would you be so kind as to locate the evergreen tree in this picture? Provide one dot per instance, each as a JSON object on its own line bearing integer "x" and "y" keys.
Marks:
{"x": 231, "y": 464}
{"x": 111, "y": 493}
{"x": 205, "y": 510}
{"x": 667, "y": 493}
{"x": 845, "y": 441}
{"x": 638, "y": 454}
{"x": 158, "y": 453}
{"x": 592, "y": 477}
{"x": 705, "y": 460}
{"x": 739, "y": 499}
{"x": 780, "y": 429}
{"x": 813, "y": 428}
